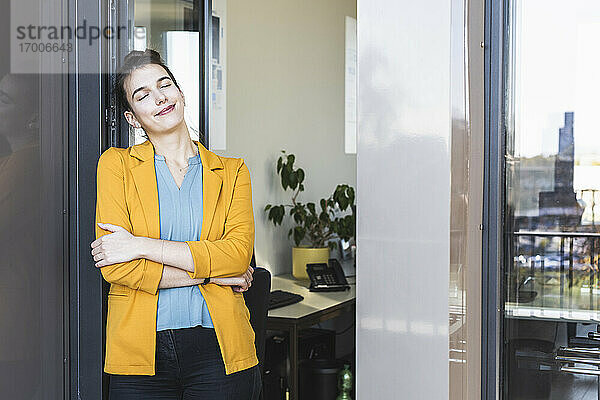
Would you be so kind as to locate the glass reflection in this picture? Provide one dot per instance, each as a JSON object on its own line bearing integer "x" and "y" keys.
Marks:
{"x": 32, "y": 268}
{"x": 552, "y": 237}
{"x": 20, "y": 219}
{"x": 463, "y": 332}
{"x": 171, "y": 27}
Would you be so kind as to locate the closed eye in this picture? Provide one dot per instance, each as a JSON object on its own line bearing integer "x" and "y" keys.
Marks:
{"x": 5, "y": 98}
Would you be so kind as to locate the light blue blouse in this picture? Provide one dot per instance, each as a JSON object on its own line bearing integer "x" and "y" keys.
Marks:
{"x": 180, "y": 212}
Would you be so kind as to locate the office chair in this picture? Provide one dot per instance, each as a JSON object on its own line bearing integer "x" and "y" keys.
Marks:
{"x": 257, "y": 301}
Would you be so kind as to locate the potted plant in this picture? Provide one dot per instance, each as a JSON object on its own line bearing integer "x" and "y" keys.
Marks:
{"x": 315, "y": 230}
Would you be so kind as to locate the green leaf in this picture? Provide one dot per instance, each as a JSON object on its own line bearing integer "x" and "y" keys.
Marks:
{"x": 324, "y": 216}
{"x": 293, "y": 180}
{"x": 267, "y": 207}
{"x": 344, "y": 202}
{"x": 281, "y": 214}
{"x": 299, "y": 233}
{"x": 285, "y": 177}
{"x": 300, "y": 173}
{"x": 279, "y": 164}
{"x": 272, "y": 215}
{"x": 291, "y": 159}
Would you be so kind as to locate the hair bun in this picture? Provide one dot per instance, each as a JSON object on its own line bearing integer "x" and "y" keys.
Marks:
{"x": 150, "y": 55}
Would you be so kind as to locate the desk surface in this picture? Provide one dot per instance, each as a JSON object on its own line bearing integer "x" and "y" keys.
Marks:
{"x": 313, "y": 301}
{"x": 316, "y": 307}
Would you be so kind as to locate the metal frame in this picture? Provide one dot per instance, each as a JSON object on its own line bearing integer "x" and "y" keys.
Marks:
{"x": 119, "y": 13}
{"x": 58, "y": 118}
{"x": 493, "y": 211}
{"x": 205, "y": 62}
{"x": 87, "y": 137}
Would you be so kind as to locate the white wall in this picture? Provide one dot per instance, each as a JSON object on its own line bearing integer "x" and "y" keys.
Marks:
{"x": 285, "y": 90}
{"x": 403, "y": 204}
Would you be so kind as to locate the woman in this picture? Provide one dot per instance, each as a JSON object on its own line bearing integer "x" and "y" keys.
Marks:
{"x": 175, "y": 234}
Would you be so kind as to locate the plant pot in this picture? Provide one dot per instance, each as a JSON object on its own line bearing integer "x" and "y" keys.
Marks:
{"x": 307, "y": 255}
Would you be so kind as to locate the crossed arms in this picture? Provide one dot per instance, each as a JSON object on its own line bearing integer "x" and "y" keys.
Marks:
{"x": 148, "y": 264}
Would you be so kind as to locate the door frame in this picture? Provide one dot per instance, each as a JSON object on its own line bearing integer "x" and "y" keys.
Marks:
{"x": 493, "y": 201}
{"x": 87, "y": 137}
{"x": 120, "y": 13}
{"x": 94, "y": 126}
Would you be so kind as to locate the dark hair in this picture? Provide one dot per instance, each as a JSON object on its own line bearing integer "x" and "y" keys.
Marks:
{"x": 134, "y": 60}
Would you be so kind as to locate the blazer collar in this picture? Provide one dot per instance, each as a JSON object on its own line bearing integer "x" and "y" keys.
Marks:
{"x": 144, "y": 177}
{"x": 145, "y": 151}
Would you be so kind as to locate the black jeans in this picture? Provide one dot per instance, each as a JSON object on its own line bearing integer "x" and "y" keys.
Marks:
{"x": 189, "y": 366}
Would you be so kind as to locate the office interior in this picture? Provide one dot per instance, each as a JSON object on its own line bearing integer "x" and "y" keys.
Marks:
{"x": 279, "y": 83}
{"x": 465, "y": 128}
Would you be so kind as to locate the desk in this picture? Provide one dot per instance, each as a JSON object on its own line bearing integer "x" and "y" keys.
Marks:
{"x": 316, "y": 307}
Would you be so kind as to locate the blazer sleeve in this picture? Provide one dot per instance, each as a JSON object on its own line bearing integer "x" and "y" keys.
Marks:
{"x": 230, "y": 255}
{"x": 111, "y": 208}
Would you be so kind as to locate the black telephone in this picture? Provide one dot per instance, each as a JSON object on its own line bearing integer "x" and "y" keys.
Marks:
{"x": 327, "y": 277}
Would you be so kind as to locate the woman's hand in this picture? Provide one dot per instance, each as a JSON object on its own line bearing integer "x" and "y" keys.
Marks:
{"x": 238, "y": 283}
{"x": 116, "y": 247}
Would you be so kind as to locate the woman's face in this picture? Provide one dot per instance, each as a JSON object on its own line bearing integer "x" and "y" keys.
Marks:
{"x": 156, "y": 102}
{"x": 18, "y": 104}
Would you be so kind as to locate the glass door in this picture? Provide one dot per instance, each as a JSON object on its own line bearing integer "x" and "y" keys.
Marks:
{"x": 177, "y": 30}
{"x": 34, "y": 308}
{"x": 551, "y": 227}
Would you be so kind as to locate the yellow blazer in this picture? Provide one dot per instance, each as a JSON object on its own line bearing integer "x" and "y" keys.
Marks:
{"x": 127, "y": 195}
